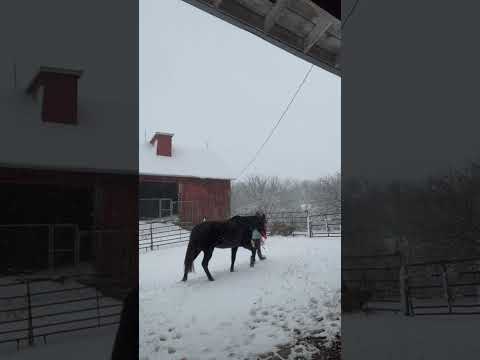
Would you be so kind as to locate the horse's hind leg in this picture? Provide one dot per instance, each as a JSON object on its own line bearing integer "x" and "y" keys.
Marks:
{"x": 234, "y": 254}
{"x": 192, "y": 256}
{"x": 207, "y": 255}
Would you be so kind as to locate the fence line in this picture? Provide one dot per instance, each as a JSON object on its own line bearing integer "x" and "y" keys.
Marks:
{"x": 35, "y": 329}
{"x": 443, "y": 289}
{"x": 154, "y": 234}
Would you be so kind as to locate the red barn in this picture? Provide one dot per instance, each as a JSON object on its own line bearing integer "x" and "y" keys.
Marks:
{"x": 63, "y": 206}
{"x": 191, "y": 183}
{"x": 69, "y": 144}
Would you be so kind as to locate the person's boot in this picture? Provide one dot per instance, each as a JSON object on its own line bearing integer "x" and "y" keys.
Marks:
{"x": 258, "y": 245}
{"x": 260, "y": 255}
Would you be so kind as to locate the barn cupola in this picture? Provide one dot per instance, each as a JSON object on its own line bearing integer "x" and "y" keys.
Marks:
{"x": 163, "y": 141}
{"x": 59, "y": 103}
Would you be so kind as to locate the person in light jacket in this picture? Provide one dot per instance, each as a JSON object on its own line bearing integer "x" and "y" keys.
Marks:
{"x": 256, "y": 243}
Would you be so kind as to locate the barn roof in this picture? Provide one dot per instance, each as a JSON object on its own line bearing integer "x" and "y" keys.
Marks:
{"x": 308, "y": 29}
{"x": 185, "y": 161}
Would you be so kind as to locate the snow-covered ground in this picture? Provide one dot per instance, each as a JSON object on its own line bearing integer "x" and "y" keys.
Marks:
{"x": 91, "y": 344}
{"x": 240, "y": 314}
{"x": 385, "y": 336}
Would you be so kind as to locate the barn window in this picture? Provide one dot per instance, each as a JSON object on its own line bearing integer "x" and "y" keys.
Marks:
{"x": 59, "y": 94}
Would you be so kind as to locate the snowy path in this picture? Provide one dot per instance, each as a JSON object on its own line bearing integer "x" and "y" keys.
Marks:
{"x": 243, "y": 313}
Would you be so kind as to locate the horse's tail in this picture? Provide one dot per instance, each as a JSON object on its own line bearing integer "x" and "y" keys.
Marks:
{"x": 190, "y": 257}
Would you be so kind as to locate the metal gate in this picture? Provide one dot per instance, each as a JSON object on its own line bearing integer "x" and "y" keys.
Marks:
{"x": 161, "y": 208}
{"x": 376, "y": 278}
{"x": 41, "y": 245}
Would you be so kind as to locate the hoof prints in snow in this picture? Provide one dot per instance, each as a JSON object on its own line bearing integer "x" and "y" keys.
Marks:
{"x": 244, "y": 313}
{"x": 314, "y": 348}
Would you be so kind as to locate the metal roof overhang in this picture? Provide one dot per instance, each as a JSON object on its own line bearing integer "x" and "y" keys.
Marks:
{"x": 308, "y": 29}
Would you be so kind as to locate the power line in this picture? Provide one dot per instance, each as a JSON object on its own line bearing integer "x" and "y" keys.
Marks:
{"x": 349, "y": 14}
{"x": 278, "y": 122}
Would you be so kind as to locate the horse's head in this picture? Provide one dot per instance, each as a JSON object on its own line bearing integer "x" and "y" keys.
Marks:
{"x": 261, "y": 223}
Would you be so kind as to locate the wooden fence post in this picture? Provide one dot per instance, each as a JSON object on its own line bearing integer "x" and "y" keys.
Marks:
{"x": 404, "y": 294}
{"x": 77, "y": 246}
{"x": 309, "y": 224}
{"x": 51, "y": 247}
{"x": 98, "y": 306}
{"x": 364, "y": 288}
{"x": 29, "y": 309}
{"x": 151, "y": 236}
{"x": 446, "y": 289}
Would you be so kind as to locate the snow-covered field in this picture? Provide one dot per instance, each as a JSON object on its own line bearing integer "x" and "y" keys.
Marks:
{"x": 384, "y": 336}
{"x": 240, "y": 314}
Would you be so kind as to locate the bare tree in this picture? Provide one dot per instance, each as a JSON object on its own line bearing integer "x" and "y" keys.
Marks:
{"x": 263, "y": 192}
{"x": 269, "y": 193}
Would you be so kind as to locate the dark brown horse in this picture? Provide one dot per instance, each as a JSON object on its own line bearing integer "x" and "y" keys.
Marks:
{"x": 232, "y": 233}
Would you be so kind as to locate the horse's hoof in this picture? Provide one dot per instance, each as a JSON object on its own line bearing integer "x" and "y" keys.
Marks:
{"x": 211, "y": 279}
{"x": 263, "y": 258}
{"x": 231, "y": 270}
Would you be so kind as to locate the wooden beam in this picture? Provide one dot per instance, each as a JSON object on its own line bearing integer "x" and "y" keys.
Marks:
{"x": 335, "y": 28}
{"x": 237, "y": 17}
{"x": 337, "y": 61}
{"x": 273, "y": 14}
{"x": 217, "y": 3}
{"x": 321, "y": 26}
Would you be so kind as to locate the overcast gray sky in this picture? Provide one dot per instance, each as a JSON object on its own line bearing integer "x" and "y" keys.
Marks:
{"x": 206, "y": 80}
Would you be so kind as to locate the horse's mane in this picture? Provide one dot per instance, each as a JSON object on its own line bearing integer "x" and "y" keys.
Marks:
{"x": 250, "y": 220}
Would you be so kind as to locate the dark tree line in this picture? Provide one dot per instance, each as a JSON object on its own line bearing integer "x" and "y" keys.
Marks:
{"x": 433, "y": 212}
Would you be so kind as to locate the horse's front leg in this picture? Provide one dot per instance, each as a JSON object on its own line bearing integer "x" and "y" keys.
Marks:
{"x": 234, "y": 254}
{"x": 252, "y": 258}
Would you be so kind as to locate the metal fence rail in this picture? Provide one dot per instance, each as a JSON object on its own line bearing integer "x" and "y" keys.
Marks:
{"x": 377, "y": 275}
{"x": 34, "y": 318}
{"x": 326, "y": 225}
{"x": 442, "y": 287}
{"x": 155, "y": 234}
{"x": 306, "y": 223}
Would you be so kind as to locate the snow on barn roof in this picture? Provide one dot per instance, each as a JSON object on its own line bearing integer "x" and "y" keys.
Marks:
{"x": 185, "y": 161}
